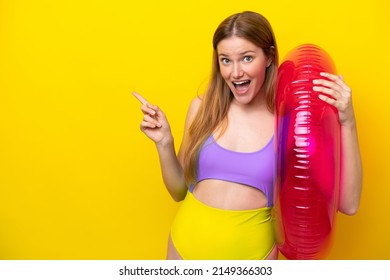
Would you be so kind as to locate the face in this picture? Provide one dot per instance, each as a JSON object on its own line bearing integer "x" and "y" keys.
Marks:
{"x": 243, "y": 67}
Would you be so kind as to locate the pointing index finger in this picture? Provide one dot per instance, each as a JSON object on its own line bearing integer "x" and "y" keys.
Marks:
{"x": 140, "y": 98}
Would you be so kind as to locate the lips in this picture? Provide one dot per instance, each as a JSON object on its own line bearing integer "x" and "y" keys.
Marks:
{"x": 241, "y": 86}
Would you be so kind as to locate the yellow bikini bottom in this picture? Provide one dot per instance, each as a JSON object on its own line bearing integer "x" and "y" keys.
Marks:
{"x": 202, "y": 232}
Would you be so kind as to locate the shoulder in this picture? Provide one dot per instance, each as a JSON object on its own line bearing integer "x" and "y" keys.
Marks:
{"x": 195, "y": 103}
{"x": 193, "y": 108}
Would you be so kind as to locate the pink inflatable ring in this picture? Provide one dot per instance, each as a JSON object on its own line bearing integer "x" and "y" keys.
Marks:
{"x": 307, "y": 140}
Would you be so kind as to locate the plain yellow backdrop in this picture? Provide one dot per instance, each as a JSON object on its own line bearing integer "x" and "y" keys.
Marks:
{"x": 78, "y": 180}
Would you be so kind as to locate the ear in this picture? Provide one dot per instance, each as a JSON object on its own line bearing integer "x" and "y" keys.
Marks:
{"x": 269, "y": 62}
{"x": 271, "y": 55}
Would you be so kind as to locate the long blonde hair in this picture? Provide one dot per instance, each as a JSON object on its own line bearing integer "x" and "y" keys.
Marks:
{"x": 216, "y": 100}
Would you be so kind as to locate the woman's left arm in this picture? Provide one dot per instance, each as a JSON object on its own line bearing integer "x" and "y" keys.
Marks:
{"x": 338, "y": 94}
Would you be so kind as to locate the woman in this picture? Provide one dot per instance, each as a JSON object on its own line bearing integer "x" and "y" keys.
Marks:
{"x": 224, "y": 168}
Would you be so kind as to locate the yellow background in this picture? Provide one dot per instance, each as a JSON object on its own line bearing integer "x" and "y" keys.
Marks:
{"x": 78, "y": 180}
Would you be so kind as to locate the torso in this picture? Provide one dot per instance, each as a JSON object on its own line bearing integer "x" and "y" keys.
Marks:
{"x": 246, "y": 132}
{"x": 229, "y": 195}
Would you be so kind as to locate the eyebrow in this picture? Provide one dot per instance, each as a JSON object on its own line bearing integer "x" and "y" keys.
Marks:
{"x": 242, "y": 53}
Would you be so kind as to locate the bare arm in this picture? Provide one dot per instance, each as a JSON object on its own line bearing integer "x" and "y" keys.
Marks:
{"x": 351, "y": 176}
{"x": 155, "y": 125}
{"x": 340, "y": 96}
{"x": 172, "y": 171}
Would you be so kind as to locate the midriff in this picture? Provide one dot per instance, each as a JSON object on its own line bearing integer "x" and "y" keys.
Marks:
{"x": 229, "y": 195}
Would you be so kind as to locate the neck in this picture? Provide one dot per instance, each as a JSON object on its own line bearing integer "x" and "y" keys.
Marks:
{"x": 259, "y": 103}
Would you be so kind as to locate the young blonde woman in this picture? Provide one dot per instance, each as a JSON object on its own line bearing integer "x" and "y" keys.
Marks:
{"x": 224, "y": 170}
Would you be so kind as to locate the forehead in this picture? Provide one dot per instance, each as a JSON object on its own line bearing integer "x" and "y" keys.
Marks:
{"x": 235, "y": 45}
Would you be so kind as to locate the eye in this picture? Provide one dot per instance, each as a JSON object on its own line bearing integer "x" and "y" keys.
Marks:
{"x": 225, "y": 60}
{"x": 247, "y": 58}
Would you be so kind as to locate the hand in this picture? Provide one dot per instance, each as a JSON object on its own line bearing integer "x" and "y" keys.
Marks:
{"x": 338, "y": 94}
{"x": 154, "y": 123}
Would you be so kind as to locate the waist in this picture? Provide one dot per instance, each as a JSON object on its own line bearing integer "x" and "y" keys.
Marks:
{"x": 229, "y": 195}
{"x": 262, "y": 215}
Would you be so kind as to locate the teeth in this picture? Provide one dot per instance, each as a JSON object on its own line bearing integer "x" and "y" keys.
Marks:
{"x": 240, "y": 83}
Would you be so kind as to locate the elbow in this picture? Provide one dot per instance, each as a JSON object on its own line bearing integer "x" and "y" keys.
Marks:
{"x": 349, "y": 202}
{"x": 350, "y": 210}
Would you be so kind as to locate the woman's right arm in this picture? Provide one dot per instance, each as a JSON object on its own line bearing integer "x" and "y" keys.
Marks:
{"x": 155, "y": 125}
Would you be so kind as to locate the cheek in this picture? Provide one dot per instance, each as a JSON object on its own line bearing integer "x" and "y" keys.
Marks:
{"x": 224, "y": 73}
{"x": 260, "y": 73}
{"x": 226, "y": 76}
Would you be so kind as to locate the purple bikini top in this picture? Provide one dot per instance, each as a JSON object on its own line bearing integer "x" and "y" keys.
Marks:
{"x": 255, "y": 169}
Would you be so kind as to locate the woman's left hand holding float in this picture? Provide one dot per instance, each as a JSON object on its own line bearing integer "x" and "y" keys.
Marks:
{"x": 338, "y": 94}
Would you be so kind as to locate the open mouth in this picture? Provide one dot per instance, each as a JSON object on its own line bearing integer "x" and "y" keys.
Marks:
{"x": 242, "y": 85}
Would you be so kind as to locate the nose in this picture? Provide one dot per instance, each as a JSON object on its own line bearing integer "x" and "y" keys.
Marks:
{"x": 237, "y": 71}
